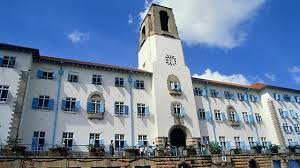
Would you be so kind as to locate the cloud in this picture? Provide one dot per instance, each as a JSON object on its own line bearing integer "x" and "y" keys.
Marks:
{"x": 270, "y": 77}
{"x": 295, "y": 73}
{"x": 77, "y": 36}
{"x": 234, "y": 78}
{"x": 216, "y": 23}
{"x": 130, "y": 19}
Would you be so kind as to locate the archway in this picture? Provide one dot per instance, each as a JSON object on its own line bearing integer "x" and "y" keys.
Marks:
{"x": 177, "y": 137}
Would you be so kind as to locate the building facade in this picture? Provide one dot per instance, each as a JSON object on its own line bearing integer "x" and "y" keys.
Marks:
{"x": 47, "y": 101}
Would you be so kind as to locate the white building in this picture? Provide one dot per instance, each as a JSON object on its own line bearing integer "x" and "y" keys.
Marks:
{"x": 47, "y": 101}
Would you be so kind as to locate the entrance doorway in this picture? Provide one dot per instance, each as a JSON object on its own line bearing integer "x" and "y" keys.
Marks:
{"x": 178, "y": 137}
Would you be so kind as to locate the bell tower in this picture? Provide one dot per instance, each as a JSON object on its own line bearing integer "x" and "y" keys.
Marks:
{"x": 160, "y": 52}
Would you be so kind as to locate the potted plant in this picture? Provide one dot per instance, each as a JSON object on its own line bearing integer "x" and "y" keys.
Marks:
{"x": 96, "y": 150}
{"x": 58, "y": 150}
{"x": 13, "y": 147}
{"x": 191, "y": 150}
{"x": 131, "y": 152}
{"x": 160, "y": 150}
{"x": 274, "y": 148}
{"x": 257, "y": 148}
{"x": 214, "y": 148}
{"x": 237, "y": 151}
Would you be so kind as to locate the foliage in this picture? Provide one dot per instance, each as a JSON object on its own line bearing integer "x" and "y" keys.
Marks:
{"x": 274, "y": 148}
{"x": 59, "y": 149}
{"x": 97, "y": 150}
{"x": 13, "y": 144}
{"x": 237, "y": 151}
{"x": 214, "y": 148}
{"x": 257, "y": 148}
{"x": 191, "y": 150}
{"x": 293, "y": 148}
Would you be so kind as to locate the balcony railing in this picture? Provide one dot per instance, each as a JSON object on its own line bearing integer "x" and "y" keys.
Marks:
{"x": 82, "y": 151}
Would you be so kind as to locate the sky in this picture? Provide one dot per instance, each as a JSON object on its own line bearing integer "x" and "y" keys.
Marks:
{"x": 237, "y": 41}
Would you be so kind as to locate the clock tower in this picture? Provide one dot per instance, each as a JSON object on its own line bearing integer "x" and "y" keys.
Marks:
{"x": 173, "y": 103}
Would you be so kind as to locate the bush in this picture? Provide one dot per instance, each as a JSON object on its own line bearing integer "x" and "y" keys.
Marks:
{"x": 292, "y": 149}
{"x": 257, "y": 148}
{"x": 96, "y": 150}
{"x": 214, "y": 148}
{"x": 237, "y": 151}
{"x": 191, "y": 150}
{"x": 13, "y": 146}
{"x": 59, "y": 150}
{"x": 274, "y": 148}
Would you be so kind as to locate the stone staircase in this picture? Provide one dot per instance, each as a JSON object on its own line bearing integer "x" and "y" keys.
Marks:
{"x": 242, "y": 161}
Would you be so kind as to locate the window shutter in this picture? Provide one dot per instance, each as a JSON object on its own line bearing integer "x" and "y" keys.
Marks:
{"x": 298, "y": 99}
{"x": 198, "y": 115}
{"x": 63, "y": 104}
{"x": 231, "y": 96}
{"x": 195, "y": 91}
{"x": 251, "y": 118}
{"x": 243, "y": 145}
{"x": 291, "y": 128}
{"x": 1, "y": 61}
{"x": 92, "y": 142}
{"x": 237, "y": 117}
{"x": 126, "y": 110}
{"x": 208, "y": 116}
{"x": 51, "y": 104}
{"x": 228, "y": 146}
{"x": 140, "y": 143}
{"x": 182, "y": 112}
{"x": 245, "y": 97}
{"x": 218, "y": 94}
{"x": 101, "y": 141}
{"x": 102, "y": 107}
{"x": 54, "y": 75}
{"x": 39, "y": 73}
{"x": 35, "y": 102}
{"x": 135, "y": 84}
{"x": 286, "y": 114}
{"x": 34, "y": 144}
{"x": 89, "y": 107}
{"x": 223, "y": 116}
{"x": 77, "y": 106}
{"x": 204, "y": 93}
{"x": 147, "y": 111}
{"x": 125, "y": 144}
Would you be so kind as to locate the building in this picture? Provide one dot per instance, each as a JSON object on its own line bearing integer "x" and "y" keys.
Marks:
{"x": 47, "y": 101}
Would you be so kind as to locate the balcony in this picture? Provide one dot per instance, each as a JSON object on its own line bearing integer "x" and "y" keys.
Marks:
{"x": 234, "y": 123}
{"x": 175, "y": 92}
{"x": 92, "y": 115}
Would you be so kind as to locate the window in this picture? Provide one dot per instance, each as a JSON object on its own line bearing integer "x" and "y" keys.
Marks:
{"x": 47, "y": 75}
{"x": 242, "y": 97}
{"x": 258, "y": 118}
{"x": 245, "y": 117}
{"x": 297, "y": 128}
{"x": 232, "y": 116}
{"x": 253, "y": 98}
{"x": 213, "y": 93}
{"x": 277, "y": 96}
{"x": 237, "y": 142}
{"x": 264, "y": 141}
{"x": 281, "y": 112}
{"x": 287, "y": 128}
{"x": 227, "y": 95}
{"x": 97, "y": 80}
{"x": 8, "y": 62}
{"x": 251, "y": 142}
{"x": 141, "y": 109}
{"x": 175, "y": 86}
{"x": 139, "y": 84}
{"x": 143, "y": 33}
{"x": 119, "y": 82}
{"x": 286, "y": 98}
{"x": 119, "y": 108}
{"x": 217, "y": 115}
{"x": 70, "y": 104}
{"x": 95, "y": 139}
{"x": 67, "y": 139}
{"x": 197, "y": 91}
{"x": 293, "y": 114}
{"x": 164, "y": 20}
{"x": 201, "y": 114}
{"x": 142, "y": 140}
{"x": 43, "y": 102}
{"x": 38, "y": 141}
{"x": 222, "y": 141}
{"x": 205, "y": 139}
{"x": 95, "y": 104}
{"x": 119, "y": 141}
{"x": 3, "y": 93}
{"x": 73, "y": 77}
{"x": 177, "y": 110}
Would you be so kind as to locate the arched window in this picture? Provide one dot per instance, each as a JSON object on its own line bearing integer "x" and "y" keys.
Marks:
{"x": 174, "y": 85}
{"x": 95, "y": 104}
{"x": 177, "y": 109}
{"x": 164, "y": 20}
